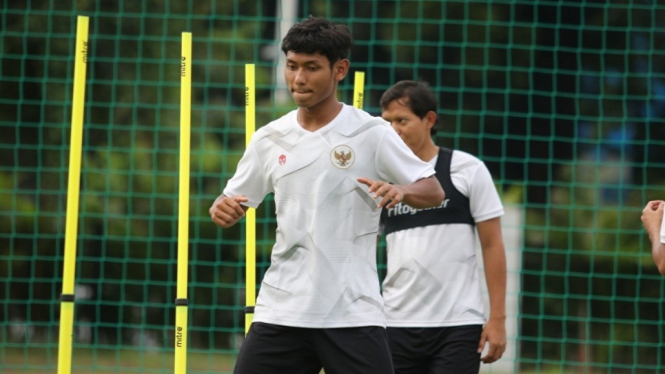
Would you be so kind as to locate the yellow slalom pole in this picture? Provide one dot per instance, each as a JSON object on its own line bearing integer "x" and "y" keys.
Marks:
{"x": 359, "y": 89}
{"x": 73, "y": 182}
{"x": 250, "y": 216}
{"x": 181, "y": 302}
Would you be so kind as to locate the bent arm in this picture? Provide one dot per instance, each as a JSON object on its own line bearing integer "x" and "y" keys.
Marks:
{"x": 424, "y": 193}
{"x": 657, "y": 248}
{"x": 652, "y": 219}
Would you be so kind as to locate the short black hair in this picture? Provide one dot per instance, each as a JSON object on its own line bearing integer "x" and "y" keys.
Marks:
{"x": 319, "y": 35}
{"x": 417, "y": 96}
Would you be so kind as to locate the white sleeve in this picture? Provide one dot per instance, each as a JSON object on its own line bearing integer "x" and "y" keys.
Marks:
{"x": 249, "y": 179}
{"x": 396, "y": 162}
{"x": 662, "y": 230}
{"x": 484, "y": 200}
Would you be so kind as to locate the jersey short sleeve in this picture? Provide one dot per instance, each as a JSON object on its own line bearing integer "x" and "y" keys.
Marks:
{"x": 250, "y": 178}
{"x": 472, "y": 178}
{"x": 396, "y": 163}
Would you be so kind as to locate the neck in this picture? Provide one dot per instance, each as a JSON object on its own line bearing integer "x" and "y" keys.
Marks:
{"x": 428, "y": 152}
{"x": 314, "y": 118}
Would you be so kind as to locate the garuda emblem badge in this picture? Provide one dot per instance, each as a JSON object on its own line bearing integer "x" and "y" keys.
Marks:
{"x": 342, "y": 157}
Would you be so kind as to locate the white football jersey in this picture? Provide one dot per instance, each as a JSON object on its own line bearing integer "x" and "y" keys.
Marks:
{"x": 323, "y": 265}
{"x": 432, "y": 278}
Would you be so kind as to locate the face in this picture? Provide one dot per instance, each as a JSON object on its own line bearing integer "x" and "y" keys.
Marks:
{"x": 311, "y": 78}
{"x": 414, "y": 131}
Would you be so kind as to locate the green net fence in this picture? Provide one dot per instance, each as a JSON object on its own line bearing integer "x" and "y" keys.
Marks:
{"x": 563, "y": 100}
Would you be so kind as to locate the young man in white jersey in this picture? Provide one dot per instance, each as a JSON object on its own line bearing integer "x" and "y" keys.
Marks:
{"x": 330, "y": 167}
{"x": 652, "y": 219}
{"x": 432, "y": 295}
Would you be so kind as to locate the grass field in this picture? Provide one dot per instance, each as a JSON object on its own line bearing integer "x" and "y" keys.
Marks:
{"x": 120, "y": 361}
{"x": 110, "y": 361}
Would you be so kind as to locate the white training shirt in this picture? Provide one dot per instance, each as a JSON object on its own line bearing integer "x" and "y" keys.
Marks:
{"x": 323, "y": 264}
{"x": 432, "y": 278}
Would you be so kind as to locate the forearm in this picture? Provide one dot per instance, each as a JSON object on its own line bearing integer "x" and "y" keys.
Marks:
{"x": 657, "y": 248}
{"x": 425, "y": 193}
{"x": 494, "y": 260}
{"x": 658, "y": 254}
{"x": 652, "y": 219}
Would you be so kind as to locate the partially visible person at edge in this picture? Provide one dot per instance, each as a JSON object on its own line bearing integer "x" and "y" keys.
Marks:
{"x": 433, "y": 303}
{"x": 331, "y": 168}
{"x": 652, "y": 219}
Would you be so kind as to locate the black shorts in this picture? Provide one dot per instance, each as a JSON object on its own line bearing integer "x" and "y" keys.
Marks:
{"x": 278, "y": 349}
{"x": 435, "y": 350}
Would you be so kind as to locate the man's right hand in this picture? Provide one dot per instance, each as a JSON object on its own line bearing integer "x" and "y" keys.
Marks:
{"x": 226, "y": 211}
{"x": 652, "y": 216}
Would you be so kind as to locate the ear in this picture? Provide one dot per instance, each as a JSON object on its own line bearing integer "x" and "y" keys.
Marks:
{"x": 340, "y": 69}
{"x": 430, "y": 117}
